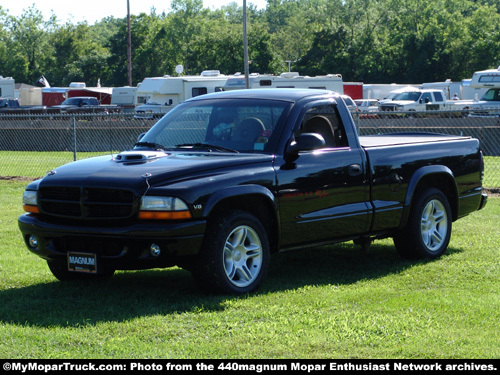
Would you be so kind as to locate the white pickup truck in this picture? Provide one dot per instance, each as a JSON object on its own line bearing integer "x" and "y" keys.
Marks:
{"x": 424, "y": 100}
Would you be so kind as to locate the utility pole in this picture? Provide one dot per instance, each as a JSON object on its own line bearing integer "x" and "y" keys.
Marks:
{"x": 245, "y": 45}
{"x": 129, "y": 46}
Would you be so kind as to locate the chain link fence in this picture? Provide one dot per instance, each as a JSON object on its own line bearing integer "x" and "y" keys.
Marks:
{"x": 32, "y": 145}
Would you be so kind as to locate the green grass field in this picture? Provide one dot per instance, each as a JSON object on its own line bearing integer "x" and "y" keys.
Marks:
{"x": 329, "y": 302}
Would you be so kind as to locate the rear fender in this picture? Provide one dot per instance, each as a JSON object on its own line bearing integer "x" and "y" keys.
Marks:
{"x": 438, "y": 176}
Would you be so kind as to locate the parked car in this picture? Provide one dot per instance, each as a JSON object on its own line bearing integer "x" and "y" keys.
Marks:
{"x": 84, "y": 104}
{"x": 12, "y": 106}
{"x": 367, "y": 107}
{"x": 423, "y": 100}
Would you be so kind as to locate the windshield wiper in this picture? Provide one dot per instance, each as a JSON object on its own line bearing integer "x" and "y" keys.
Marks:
{"x": 208, "y": 146}
{"x": 156, "y": 146}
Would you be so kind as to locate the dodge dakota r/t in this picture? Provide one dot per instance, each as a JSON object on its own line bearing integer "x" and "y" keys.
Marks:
{"x": 224, "y": 180}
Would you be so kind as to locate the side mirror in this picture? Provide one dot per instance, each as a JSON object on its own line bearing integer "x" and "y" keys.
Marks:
{"x": 140, "y": 136}
{"x": 305, "y": 142}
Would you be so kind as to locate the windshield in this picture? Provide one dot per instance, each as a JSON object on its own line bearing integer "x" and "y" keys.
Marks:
{"x": 413, "y": 96}
{"x": 227, "y": 125}
{"x": 71, "y": 101}
{"x": 492, "y": 95}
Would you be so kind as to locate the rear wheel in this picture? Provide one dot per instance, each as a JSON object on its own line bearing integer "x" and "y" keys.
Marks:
{"x": 235, "y": 256}
{"x": 428, "y": 230}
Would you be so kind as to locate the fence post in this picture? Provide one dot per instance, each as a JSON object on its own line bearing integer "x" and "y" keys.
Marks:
{"x": 73, "y": 121}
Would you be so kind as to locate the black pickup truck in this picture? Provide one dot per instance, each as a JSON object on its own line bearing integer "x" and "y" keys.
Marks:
{"x": 225, "y": 180}
{"x": 83, "y": 104}
{"x": 12, "y": 107}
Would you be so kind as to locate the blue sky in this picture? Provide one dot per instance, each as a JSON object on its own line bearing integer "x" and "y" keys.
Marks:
{"x": 95, "y": 10}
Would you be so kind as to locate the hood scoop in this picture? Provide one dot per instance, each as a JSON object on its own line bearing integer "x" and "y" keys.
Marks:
{"x": 138, "y": 156}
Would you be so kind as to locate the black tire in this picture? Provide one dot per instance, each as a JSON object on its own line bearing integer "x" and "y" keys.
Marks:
{"x": 60, "y": 270}
{"x": 428, "y": 230}
{"x": 235, "y": 255}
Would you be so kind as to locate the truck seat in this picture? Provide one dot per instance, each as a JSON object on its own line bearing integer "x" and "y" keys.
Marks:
{"x": 320, "y": 125}
{"x": 249, "y": 129}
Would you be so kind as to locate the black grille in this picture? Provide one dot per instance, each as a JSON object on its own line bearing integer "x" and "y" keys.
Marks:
{"x": 87, "y": 203}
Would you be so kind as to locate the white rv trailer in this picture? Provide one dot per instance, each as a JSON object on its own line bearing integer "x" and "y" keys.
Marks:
{"x": 286, "y": 80}
{"x": 160, "y": 94}
{"x": 486, "y": 79}
{"x": 7, "y": 87}
{"x": 489, "y": 104}
{"x": 462, "y": 89}
{"x": 125, "y": 97}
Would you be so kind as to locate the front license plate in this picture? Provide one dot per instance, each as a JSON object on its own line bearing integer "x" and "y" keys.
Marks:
{"x": 82, "y": 262}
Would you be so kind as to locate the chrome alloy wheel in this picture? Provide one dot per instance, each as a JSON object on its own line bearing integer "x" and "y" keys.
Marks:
{"x": 242, "y": 256}
{"x": 434, "y": 224}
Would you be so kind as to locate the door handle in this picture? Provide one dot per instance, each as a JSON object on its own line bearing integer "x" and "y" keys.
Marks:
{"x": 355, "y": 170}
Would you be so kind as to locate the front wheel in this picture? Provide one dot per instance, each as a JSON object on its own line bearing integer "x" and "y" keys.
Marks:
{"x": 235, "y": 256}
{"x": 428, "y": 230}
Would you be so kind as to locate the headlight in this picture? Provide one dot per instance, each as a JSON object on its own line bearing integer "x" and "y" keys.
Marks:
{"x": 30, "y": 201}
{"x": 163, "y": 208}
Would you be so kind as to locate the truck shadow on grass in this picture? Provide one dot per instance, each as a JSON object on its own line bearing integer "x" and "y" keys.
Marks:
{"x": 132, "y": 294}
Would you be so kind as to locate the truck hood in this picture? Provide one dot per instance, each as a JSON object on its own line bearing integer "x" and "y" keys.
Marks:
{"x": 484, "y": 104}
{"x": 65, "y": 106}
{"x": 400, "y": 102}
{"x": 138, "y": 169}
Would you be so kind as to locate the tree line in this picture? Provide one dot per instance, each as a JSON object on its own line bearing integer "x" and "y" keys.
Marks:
{"x": 372, "y": 41}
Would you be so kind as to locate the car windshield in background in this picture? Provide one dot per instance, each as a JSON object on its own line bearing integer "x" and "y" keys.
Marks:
{"x": 413, "y": 96}
{"x": 219, "y": 125}
{"x": 71, "y": 101}
{"x": 491, "y": 95}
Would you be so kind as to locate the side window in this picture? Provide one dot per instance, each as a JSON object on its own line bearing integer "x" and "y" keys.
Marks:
{"x": 199, "y": 91}
{"x": 438, "y": 96}
{"x": 325, "y": 120}
{"x": 426, "y": 98}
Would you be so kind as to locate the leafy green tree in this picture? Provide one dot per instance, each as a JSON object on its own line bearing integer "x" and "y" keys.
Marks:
{"x": 374, "y": 41}
{"x": 186, "y": 22}
{"x": 28, "y": 43}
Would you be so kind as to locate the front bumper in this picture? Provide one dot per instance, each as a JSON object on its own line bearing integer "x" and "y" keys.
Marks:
{"x": 119, "y": 247}
{"x": 484, "y": 200}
